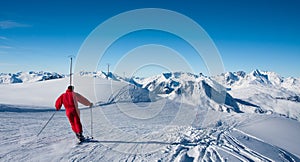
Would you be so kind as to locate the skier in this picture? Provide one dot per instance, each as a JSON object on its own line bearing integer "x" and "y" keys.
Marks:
{"x": 70, "y": 101}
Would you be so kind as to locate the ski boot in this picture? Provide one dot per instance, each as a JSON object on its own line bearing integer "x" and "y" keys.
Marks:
{"x": 80, "y": 136}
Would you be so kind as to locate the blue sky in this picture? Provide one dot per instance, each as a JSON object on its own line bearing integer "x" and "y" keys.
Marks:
{"x": 249, "y": 34}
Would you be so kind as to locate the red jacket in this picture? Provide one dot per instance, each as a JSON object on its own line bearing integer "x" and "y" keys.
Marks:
{"x": 70, "y": 101}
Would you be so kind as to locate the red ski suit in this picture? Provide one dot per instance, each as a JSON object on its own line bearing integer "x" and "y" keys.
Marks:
{"x": 70, "y": 101}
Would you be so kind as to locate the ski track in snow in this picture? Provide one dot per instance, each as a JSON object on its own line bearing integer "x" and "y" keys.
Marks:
{"x": 219, "y": 140}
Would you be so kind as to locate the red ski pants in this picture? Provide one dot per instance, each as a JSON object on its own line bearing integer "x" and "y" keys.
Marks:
{"x": 74, "y": 121}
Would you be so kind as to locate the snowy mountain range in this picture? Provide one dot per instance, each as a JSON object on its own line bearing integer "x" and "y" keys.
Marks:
{"x": 28, "y": 77}
{"x": 256, "y": 92}
{"x": 228, "y": 79}
{"x": 257, "y": 77}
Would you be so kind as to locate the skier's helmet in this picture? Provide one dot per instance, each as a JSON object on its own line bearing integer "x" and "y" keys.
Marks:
{"x": 71, "y": 88}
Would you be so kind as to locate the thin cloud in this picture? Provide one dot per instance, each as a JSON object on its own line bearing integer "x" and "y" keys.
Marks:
{"x": 3, "y": 53}
{"x": 7, "y": 24}
{"x": 5, "y": 47}
{"x": 3, "y": 38}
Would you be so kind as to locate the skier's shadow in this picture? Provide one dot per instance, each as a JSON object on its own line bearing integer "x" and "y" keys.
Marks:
{"x": 143, "y": 142}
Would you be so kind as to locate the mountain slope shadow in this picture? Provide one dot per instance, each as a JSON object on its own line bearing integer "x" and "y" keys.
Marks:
{"x": 14, "y": 108}
{"x": 220, "y": 97}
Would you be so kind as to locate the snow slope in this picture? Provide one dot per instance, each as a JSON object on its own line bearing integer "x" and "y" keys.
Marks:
{"x": 121, "y": 138}
{"x": 127, "y": 128}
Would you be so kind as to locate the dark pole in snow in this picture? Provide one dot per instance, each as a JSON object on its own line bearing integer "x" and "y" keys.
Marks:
{"x": 92, "y": 122}
{"x": 71, "y": 71}
{"x": 46, "y": 124}
{"x": 107, "y": 71}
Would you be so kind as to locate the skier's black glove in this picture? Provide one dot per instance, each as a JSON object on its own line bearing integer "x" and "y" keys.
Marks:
{"x": 91, "y": 105}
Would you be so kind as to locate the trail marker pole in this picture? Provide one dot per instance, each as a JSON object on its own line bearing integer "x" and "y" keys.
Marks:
{"x": 71, "y": 69}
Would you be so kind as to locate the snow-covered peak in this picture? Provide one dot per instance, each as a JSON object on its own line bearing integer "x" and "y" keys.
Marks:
{"x": 192, "y": 89}
{"x": 184, "y": 76}
{"x": 275, "y": 78}
{"x": 27, "y": 77}
{"x": 167, "y": 82}
{"x": 104, "y": 75}
{"x": 229, "y": 78}
{"x": 267, "y": 77}
{"x": 291, "y": 84}
{"x": 256, "y": 77}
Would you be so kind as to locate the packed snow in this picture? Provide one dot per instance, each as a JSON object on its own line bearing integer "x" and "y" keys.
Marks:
{"x": 168, "y": 117}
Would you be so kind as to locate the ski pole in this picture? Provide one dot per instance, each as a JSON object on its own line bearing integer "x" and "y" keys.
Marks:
{"x": 92, "y": 122}
{"x": 86, "y": 130}
{"x": 46, "y": 124}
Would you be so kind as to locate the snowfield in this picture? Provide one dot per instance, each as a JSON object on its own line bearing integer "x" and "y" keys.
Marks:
{"x": 170, "y": 117}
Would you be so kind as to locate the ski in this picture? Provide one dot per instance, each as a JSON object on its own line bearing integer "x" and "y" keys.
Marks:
{"x": 87, "y": 139}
